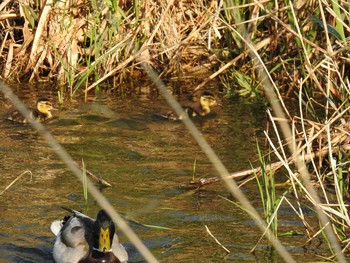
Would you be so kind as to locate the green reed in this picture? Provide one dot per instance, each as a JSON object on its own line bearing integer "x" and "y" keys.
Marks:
{"x": 267, "y": 190}
{"x": 85, "y": 188}
{"x": 194, "y": 169}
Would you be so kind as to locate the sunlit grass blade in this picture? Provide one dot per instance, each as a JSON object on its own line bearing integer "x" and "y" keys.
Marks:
{"x": 85, "y": 189}
{"x": 16, "y": 179}
{"x": 194, "y": 169}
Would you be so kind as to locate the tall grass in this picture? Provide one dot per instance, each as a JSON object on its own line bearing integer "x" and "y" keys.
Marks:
{"x": 267, "y": 190}
{"x": 84, "y": 44}
{"x": 85, "y": 188}
{"x": 81, "y": 44}
{"x": 315, "y": 75}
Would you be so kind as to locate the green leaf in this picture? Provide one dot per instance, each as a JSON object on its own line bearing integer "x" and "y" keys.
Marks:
{"x": 330, "y": 29}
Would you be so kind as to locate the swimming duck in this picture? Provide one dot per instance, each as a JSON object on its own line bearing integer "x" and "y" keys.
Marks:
{"x": 82, "y": 239}
{"x": 195, "y": 105}
{"x": 41, "y": 113}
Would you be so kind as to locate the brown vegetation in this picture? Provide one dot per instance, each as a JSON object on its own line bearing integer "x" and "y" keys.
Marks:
{"x": 84, "y": 43}
{"x": 76, "y": 42}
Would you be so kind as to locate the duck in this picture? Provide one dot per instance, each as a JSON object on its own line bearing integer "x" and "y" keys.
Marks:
{"x": 41, "y": 113}
{"x": 81, "y": 239}
{"x": 195, "y": 105}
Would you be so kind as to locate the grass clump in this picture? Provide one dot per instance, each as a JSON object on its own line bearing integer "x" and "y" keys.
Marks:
{"x": 267, "y": 190}
{"x": 81, "y": 44}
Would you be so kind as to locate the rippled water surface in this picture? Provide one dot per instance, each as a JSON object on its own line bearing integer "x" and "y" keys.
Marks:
{"x": 147, "y": 160}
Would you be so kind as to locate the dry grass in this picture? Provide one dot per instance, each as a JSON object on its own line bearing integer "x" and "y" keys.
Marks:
{"x": 77, "y": 43}
{"x": 81, "y": 44}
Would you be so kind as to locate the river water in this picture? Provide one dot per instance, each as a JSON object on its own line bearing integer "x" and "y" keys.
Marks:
{"x": 146, "y": 160}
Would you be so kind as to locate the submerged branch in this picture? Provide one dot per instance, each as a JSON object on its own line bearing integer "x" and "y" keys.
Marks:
{"x": 96, "y": 178}
{"x": 257, "y": 171}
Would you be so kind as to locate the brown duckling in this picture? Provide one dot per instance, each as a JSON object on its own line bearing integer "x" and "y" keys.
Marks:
{"x": 41, "y": 113}
{"x": 195, "y": 106}
{"x": 80, "y": 239}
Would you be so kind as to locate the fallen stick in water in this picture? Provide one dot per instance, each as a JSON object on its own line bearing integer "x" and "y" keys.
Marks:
{"x": 256, "y": 171}
{"x": 98, "y": 179}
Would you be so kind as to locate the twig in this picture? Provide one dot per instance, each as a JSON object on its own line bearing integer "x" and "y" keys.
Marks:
{"x": 18, "y": 177}
{"x": 206, "y": 181}
{"x": 98, "y": 179}
{"x": 38, "y": 33}
{"x": 274, "y": 166}
{"x": 217, "y": 241}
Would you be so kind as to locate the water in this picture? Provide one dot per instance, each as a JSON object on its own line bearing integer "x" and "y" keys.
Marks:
{"x": 146, "y": 160}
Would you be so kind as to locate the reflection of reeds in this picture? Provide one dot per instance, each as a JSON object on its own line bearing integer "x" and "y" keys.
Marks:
{"x": 67, "y": 159}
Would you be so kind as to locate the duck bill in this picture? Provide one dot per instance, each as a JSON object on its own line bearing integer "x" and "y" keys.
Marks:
{"x": 104, "y": 241}
{"x": 217, "y": 103}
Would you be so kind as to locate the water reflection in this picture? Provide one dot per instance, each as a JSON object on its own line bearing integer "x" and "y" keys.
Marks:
{"x": 146, "y": 160}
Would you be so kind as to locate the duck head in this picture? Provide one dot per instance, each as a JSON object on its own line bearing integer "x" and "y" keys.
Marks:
{"x": 103, "y": 232}
{"x": 44, "y": 106}
{"x": 207, "y": 99}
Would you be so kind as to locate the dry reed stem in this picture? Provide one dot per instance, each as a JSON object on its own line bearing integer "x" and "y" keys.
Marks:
{"x": 300, "y": 214}
{"x": 17, "y": 178}
{"x": 96, "y": 178}
{"x": 288, "y": 28}
{"x": 211, "y": 180}
{"x": 3, "y": 5}
{"x": 38, "y": 33}
{"x": 310, "y": 191}
{"x": 260, "y": 45}
{"x": 333, "y": 14}
{"x": 216, "y": 240}
{"x": 286, "y": 131}
{"x": 112, "y": 72}
{"x": 331, "y": 141}
{"x": 306, "y": 188}
{"x": 320, "y": 154}
{"x": 8, "y": 64}
{"x": 52, "y": 44}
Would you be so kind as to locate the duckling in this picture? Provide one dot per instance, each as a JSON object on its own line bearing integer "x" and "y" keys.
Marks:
{"x": 81, "y": 239}
{"x": 194, "y": 106}
{"x": 41, "y": 113}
